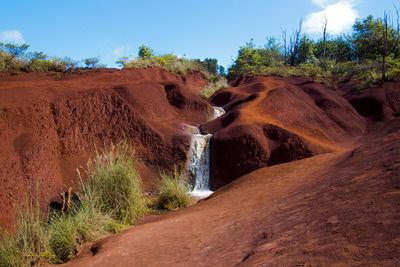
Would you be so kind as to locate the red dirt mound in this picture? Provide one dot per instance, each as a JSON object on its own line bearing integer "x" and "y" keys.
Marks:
{"x": 378, "y": 104}
{"x": 336, "y": 209}
{"x": 273, "y": 120}
{"x": 50, "y": 124}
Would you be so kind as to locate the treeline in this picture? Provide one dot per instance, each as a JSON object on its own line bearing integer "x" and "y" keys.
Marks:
{"x": 147, "y": 58}
{"x": 371, "y": 52}
{"x": 15, "y": 58}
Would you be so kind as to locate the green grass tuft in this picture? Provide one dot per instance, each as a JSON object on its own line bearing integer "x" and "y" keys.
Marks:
{"x": 110, "y": 200}
{"x": 29, "y": 244}
{"x": 218, "y": 83}
{"x": 113, "y": 184}
{"x": 173, "y": 192}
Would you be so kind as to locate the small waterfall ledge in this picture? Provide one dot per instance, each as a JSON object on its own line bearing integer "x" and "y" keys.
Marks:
{"x": 199, "y": 158}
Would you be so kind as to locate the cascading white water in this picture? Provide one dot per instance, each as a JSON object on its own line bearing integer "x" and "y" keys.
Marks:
{"x": 199, "y": 158}
{"x": 218, "y": 112}
{"x": 199, "y": 164}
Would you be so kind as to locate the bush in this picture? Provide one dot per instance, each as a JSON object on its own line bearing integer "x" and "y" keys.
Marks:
{"x": 169, "y": 62}
{"x": 13, "y": 58}
{"x": 113, "y": 185}
{"x": 173, "y": 191}
{"x": 91, "y": 62}
{"x": 145, "y": 52}
{"x": 219, "y": 83}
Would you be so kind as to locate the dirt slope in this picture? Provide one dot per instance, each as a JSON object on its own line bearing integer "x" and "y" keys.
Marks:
{"x": 273, "y": 120}
{"x": 50, "y": 124}
{"x": 378, "y": 104}
{"x": 337, "y": 209}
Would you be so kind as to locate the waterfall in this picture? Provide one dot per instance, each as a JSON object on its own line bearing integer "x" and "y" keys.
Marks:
{"x": 199, "y": 158}
{"x": 218, "y": 112}
{"x": 199, "y": 164}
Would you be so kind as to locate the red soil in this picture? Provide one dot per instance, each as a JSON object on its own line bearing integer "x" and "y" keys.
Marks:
{"x": 337, "y": 202}
{"x": 271, "y": 120}
{"x": 336, "y": 209}
{"x": 50, "y": 124}
{"x": 379, "y": 104}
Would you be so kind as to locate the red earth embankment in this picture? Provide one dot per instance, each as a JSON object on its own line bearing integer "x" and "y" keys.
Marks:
{"x": 336, "y": 209}
{"x": 273, "y": 120}
{"x": 379, "y": 104}
{"x": 337, "y": 203}
{"x": 339, "y": 208}
{"x": 50, "y": 124}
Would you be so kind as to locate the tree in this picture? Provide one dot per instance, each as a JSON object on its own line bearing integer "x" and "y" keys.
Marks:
{"x": 221, "y": 70}
{"x": 13, "y": 50}
{"x": 324, "y": 36}
{"x": 34, "y": 57}
{"x": 305, "y": 50}
{"x": 272, "y": 54}
{"x": 247, "y": 61}
{"x": 338, "y": 49}
{"x": 397, "y": 32}
{"x": 210, "y": 64}
{"x": 285, "y": 52}
{"x": 122, "y": 61}
{"x": 145, "y": 52}
{"x": 369, "y": 40}
{"x": 385, "y": 43}
{"x": 92, "y": 62}
{"x": 294, "y": 41}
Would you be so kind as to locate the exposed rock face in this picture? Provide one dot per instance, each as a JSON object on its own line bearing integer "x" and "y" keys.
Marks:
{"x": 50, "y": 126}
{"x": 273, "y": 120}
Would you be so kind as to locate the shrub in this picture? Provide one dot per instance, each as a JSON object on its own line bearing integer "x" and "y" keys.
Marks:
{"x": 91, "y": 62}
{"x": 219, "y": 83}
{"x": 173, "y": 191}
{"x": 145, "y": 52}
{"x": 169, "y": 62}
{"x": 13, "y": 58}
{"x": 113, "y": 185}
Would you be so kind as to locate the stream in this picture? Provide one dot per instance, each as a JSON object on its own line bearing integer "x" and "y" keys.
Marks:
{"x": 199, "y": 158}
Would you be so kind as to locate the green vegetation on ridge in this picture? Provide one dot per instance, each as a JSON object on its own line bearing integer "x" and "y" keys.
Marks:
{"x": 208, "y": 67}
{"x": 14, "y": 59}
{"x": 369, "y": 55}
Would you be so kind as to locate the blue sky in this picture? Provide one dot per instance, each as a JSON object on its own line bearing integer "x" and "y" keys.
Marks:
{"x": 110, "y": 29}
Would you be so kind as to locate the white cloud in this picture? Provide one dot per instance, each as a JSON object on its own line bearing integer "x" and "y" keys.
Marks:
{"x": 122, "y": 51}
{"x": 340, "y": 16}
{"x": 323, "y": 3}
{"x": 13, "y": 36}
